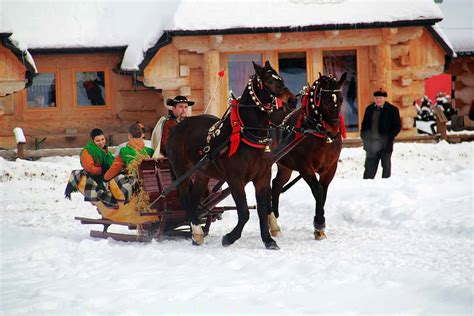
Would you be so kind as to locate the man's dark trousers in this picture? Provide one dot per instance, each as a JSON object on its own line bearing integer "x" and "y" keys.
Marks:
{"x": 372, "y": 161}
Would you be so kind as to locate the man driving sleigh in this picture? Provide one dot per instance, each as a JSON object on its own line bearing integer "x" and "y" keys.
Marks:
{"x": 159, "y": 137}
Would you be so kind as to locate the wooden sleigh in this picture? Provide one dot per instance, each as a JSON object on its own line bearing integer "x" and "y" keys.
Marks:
{"x": 167, "y": 217}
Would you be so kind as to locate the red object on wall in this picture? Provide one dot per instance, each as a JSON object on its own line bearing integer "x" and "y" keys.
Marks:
{"x": 436, "y": 84}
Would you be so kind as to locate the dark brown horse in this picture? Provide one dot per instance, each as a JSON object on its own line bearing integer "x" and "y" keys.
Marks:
{"x": 237, "y": 147}
{"x": 318, "y": 123}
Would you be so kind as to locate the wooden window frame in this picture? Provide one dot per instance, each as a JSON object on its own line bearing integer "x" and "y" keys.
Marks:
{"x": 58, "y": 93}
{"x": 107, "y": 104}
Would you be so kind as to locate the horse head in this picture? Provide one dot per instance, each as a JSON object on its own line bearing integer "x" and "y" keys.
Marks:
{"x": 324, "y": 101}
{"x": 269, "y": 87}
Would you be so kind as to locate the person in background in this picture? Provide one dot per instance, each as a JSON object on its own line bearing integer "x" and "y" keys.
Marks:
{"x": 380, "y": 125}
{"x": 159, "y": 137}
{"x": 443, "y": 101}
{"x": 135, "y": 146}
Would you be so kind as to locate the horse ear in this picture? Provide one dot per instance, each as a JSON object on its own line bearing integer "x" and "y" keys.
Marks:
{"x": 343, "y": 78}
{"x": 267, "y": 64}
{"x": 320, "y": 75}
{"x": 257, "y": 68}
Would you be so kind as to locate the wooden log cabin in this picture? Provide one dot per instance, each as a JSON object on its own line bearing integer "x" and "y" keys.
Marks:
{"x": 74, "y": 91}
{"x": 397, "y": 59}
{"x": 396, "y": 55}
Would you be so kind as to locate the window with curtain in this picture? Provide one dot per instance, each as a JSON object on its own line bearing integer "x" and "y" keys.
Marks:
{"x": 336, "y": 63}
{"x": 240, "y": 69}
{"x": 292, "y": 67}
{"x": 90, "y": 88}
{"x": 42, "y": 92}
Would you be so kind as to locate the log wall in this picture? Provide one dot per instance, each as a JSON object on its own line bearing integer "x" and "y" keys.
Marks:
{"x": 126, "y": 104}
{"x": 12, "y": 72}
{"x": 396, "y": 59}
{"x": 463, "y": 68}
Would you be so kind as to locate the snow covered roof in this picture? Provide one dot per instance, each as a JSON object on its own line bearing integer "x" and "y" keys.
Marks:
{"x": 458, "y": 24}
{"x": 19, "y": 51}
{"x": 139, "y": 25}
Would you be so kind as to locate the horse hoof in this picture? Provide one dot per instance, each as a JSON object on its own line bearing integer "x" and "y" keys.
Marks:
{"x": 319, "y": 234}
{"x": 198, "y": 240}
{"x": 197, "y": 234}
{"x": 272, "y": 245}
{"x": 226, "y": 241}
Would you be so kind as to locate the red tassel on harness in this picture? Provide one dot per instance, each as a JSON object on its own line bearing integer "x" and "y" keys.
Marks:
{"x": 235, "y": 123}
{"x": 279, "y": 103}
{"x": 342, "y": 126}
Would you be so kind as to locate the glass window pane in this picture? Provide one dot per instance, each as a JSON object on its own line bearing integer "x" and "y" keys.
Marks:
{"x": 336, "y": 63}
{"x": 240, "y": 70}
{"x": 292, "y": 67}
{"x": 90, "y": 88}
{"x": 42, "y": 93}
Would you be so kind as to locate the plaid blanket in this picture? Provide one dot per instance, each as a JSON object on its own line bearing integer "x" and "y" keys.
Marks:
{"x": 127, "y": 184}
{"x": 94, "y": 192}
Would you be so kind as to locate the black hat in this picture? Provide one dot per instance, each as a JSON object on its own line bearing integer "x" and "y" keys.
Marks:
{"x": 380, "y": 93}
{"x": 179, "y": 99}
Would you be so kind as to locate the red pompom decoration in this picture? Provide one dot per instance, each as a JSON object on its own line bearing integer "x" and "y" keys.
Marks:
{"x": 221, "y": 73}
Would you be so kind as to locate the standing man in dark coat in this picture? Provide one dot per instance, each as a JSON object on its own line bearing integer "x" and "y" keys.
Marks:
{"x": 380, "y": 126}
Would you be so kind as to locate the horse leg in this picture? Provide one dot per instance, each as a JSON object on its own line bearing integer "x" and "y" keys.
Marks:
{"x": 197, "y": 191}
{"x": 318, "y": 194}
{"x": 263, "y": 196}
{"x": 238, "y": 193}
{"x": 325, "y": 178}
{"x": 282, "y": 177}
{"x": 185, "y": 198}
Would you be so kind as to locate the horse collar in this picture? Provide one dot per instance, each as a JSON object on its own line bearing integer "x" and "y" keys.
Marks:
{"x": 268, "y": 107}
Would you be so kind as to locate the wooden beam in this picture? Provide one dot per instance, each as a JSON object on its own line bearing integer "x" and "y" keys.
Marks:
{"x": 273, "y": 36}
{"x": 302, "y": 40}
{"x": 317, "y": 63}
{"x": 184, "y": 70}
{"x": 406, "y": 81}
{"x": 167, "y": 83}
{"x": 193, "y": 60}
{"x": 215, "y": 41}
{"x": 211, "y": 80}
{"x": 10, "y": 86}
{"x": 364, "y": 90}
{"x": 333, "y": 33}
{"x": 272, "y": 57}
{"x": 383, "y": 63}
{"x": 164, "y": 64}
{"x": 399, "y": 50}
{"x": 185, "y": 90}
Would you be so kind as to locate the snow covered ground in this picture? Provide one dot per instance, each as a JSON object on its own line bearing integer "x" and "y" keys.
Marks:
{"x": 399, "y": 245}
